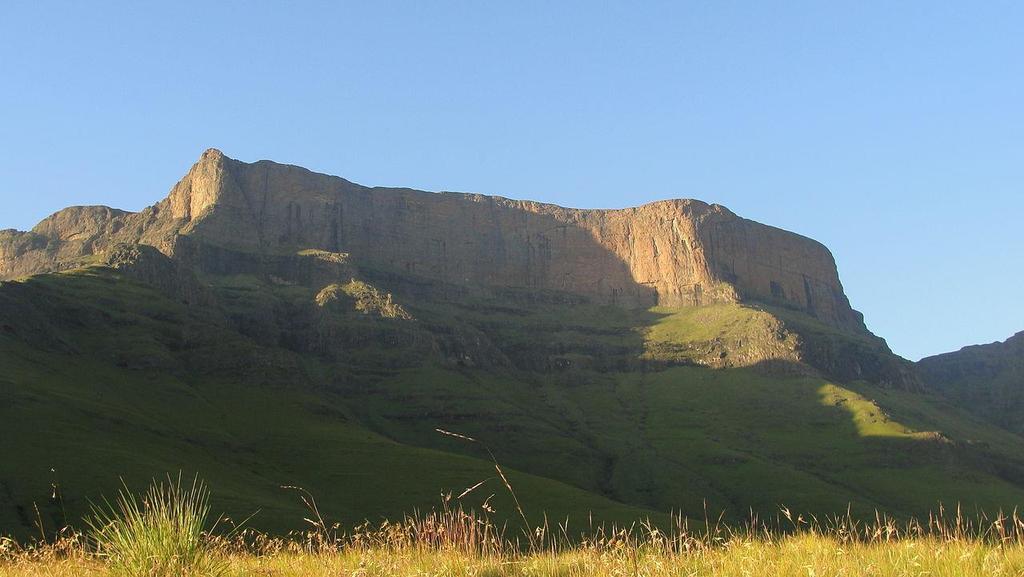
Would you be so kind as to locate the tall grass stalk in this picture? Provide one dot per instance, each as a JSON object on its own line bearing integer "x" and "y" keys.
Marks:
{"x": 160, "y": 534}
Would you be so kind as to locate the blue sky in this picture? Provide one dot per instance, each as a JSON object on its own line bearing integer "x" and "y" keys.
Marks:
{"x": 891, "y": 131}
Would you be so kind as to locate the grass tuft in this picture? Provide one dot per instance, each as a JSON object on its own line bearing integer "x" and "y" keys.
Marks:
{"x": 160, "y": 534}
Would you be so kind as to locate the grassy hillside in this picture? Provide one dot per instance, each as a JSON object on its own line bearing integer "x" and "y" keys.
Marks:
{"x": 111, "y": 404}
{"x": 595, "y": 409}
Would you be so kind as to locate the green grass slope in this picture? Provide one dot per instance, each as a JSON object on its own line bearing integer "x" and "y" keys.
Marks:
{"x": 595, "y": 409}
{"x": 82, "y": 416}
{"x": 83, "y": 426}
{"x": 729, "y": 439}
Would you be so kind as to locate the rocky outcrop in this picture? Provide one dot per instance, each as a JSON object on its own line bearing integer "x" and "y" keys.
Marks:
{"x": 987, "y": 380}
{"x": 676, "y": 252}
{"x": 63, "y": 240}
{"x": 361, "y": 297}
{"x": 80, "y": 235}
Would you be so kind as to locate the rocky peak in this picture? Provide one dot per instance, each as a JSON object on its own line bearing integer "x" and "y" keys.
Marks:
{"x": 204, "y": 186}
{"x": 80, "y": 223}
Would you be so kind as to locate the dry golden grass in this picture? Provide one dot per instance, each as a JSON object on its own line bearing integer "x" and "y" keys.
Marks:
{"x": 805, "y": 555}
{"x": 451, "y": 542}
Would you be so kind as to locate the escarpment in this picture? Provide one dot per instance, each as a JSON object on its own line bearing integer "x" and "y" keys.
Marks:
{"x": 673, "y": 253}
{"x": 290, "y": 226}
{"x": 679, "y": 252}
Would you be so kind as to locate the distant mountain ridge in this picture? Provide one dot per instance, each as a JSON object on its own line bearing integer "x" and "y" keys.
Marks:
{"x": 985, "y": 379}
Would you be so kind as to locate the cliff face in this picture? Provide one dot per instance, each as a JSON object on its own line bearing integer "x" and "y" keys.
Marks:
{"x": 675, "y": 253}
{"x": 987, "y": 380}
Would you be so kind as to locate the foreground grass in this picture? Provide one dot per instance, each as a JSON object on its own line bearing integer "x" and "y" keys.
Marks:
{"x": 165, "y": 533}
{"x": 803, "y": 555}
{"x": 453, "y": 543}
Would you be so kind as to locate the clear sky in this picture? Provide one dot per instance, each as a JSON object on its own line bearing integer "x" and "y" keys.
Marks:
{"x": 891, "y": 131}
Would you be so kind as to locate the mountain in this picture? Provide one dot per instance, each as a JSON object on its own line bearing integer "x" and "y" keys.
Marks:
{"x": 228, "y": 217}
{"x": 987, "y": 380}
{"x": 264, "y": 326}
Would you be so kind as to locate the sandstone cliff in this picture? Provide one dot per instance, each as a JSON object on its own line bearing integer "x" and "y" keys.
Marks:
{"x": 675, "y": 253}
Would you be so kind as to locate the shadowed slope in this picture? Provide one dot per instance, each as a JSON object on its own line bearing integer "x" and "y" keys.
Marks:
{"x": 987, "y": 380}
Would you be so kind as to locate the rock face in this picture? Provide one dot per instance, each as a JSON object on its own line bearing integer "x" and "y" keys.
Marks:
{"x": 987, "y": 380}
{"x": 675, "y": 253}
